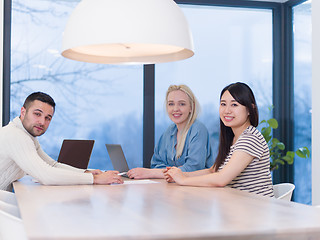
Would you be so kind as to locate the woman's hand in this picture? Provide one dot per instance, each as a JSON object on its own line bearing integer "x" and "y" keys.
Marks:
{"x": 138, "y": 173}
{"x": 174, "y": 174}
{"x": 167, "y": 177}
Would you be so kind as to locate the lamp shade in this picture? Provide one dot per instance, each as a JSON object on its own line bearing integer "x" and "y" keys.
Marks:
{"x": 127, "y": 31}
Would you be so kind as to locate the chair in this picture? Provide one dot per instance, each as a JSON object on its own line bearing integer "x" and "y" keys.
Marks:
{"x": 9, "y": 208}
{"x": 8, "y": 197}
{"x": 283, "y": 191}
{"x": 11, "y": 227}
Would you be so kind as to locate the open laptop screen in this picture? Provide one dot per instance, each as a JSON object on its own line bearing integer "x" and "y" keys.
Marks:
{"x": 76, "y": 153}
{"x": 117, "y": 157}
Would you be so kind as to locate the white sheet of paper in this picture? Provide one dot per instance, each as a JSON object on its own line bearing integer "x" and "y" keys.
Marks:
{"x": 142, "y": 181}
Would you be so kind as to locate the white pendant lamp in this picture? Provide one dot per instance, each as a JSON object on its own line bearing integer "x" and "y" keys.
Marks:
{"x": 127, "y": 32}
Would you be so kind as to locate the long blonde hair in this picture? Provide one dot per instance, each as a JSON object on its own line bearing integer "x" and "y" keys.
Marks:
{"x": 192, "y": 116}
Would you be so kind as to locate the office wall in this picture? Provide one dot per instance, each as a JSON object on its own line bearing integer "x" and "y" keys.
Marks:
{"x": 1, "y": 56}
{"x": 315, "y": 102}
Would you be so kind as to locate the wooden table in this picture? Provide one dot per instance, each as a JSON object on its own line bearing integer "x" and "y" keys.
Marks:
{"x": 159, "y": 211}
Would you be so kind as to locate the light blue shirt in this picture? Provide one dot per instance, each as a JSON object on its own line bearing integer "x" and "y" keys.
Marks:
{"x": 196, "y": 155}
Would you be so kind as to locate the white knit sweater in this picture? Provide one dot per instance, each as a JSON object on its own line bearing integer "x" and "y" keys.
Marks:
{"x": 21, "y": 153}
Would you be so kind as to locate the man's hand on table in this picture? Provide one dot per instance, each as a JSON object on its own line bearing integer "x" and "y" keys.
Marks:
{"x": 107, "y": 177}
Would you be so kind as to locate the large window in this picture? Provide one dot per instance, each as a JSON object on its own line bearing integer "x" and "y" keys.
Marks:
{"x": 100, "y": 102}
{"x": 302, "y": 101}
{"x": 240, "y": 41}
{"x": 231, "y": 45}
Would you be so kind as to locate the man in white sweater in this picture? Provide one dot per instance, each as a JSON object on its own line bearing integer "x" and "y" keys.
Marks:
{"x": 21, "y": 153}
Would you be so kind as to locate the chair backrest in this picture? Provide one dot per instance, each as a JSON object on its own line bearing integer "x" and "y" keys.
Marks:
{"x": 11, "y": 227}
{"x": 9, "y": 208}
{"x": 283, "y": 191}
{"x": 8, "y": 197}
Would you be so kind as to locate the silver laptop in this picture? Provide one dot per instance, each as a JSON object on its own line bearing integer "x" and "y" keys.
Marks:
{"x": 118, "y": 159}
{"x": 76, "y": 153}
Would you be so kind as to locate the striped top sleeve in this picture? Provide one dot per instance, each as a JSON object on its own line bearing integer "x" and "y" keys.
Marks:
{"x": 256, "y": 177}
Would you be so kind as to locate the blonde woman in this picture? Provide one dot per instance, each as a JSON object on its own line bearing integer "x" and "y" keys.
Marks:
{"x": 185, "y": 144}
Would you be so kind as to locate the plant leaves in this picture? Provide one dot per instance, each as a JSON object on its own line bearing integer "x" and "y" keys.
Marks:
{"x": 277, "y": 148}
{"x": 281, "y": 146}
{"x": 288, "y": 159}
{"x": 263, "y": 121}
{"x": 303, "y": 152}
{"x": 290, "y": 154}
{"x": 273, "y": 123}
{"x": 275, "y": 141}
{"x": 267, "y": 131}
{"x": 279, "y": 161}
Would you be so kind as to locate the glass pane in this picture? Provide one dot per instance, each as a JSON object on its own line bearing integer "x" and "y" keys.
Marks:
{"x": 302, "y": 36}
{"x": 94, "y": 101}
{"x": 231, "y": 45}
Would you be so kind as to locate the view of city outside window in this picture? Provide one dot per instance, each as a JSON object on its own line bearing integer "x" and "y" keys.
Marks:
{"x": 231, "y": 45}
{"x": 302, "y": 101}
{"x": 94, "y": 101}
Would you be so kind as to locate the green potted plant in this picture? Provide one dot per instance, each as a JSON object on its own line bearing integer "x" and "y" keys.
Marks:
{"x": 278, "y": 155}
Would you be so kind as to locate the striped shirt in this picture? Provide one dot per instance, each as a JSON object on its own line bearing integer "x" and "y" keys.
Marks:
{"x": 256, "y": 177}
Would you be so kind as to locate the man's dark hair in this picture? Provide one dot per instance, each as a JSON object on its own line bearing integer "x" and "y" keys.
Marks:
{"x": 40, "y": 96}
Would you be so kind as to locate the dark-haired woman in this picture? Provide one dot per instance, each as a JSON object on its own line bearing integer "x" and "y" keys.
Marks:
{"x": 243, "y": 157}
